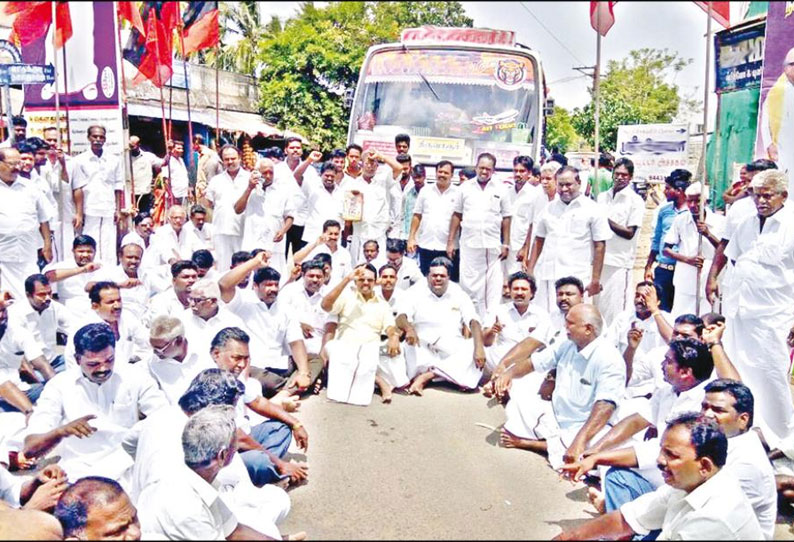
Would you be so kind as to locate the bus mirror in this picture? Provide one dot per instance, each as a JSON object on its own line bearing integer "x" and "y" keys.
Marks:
{"x": 548, "y": 107}
{"x": 348, "y": 97}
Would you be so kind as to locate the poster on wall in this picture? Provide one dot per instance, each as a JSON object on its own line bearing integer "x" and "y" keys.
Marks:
{"x": 655, "y": 149}
{"x": 87, "y": 81}
{"x": 775, "y": 138}
{"x": 739, "y": 57}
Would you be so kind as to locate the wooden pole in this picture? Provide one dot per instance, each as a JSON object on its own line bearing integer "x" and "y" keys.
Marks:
{"x": 66, "y": 100}
{"x": 125, "y": 124}
{"x": 217, "y": 97}
{"x": 597, "y": 96}
{"x": 55, "y": 58}
{"x": 189, "y": 154}
{"x": 703, "y": 170}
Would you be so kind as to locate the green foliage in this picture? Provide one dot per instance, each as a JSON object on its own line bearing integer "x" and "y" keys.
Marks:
{"x": 634, "y": 90}
{"x": 307, "y": 64}
{"x": 560, "y": 132}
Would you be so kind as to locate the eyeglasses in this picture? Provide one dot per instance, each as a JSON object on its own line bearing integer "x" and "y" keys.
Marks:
{"x": 161, "y": 350}
{"x": 199, "y": 300}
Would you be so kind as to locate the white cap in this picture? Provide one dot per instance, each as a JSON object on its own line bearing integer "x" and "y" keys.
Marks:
{"x": 694, "y": 189}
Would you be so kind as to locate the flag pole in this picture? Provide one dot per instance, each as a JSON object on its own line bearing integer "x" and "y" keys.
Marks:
{"x": 167, "y": 188}
{"x": 217, "y": 97}
{"x": 125, "y": 121}
{"x": 703, "y": 170}
{"x": 597, "y": 95}
{"x": 66, "y": 99}
{"x": 187, "y": 94}
{"x": 55, "y": 59}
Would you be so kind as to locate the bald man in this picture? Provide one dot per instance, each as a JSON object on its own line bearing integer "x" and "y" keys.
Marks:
{"x": 96, "y": 508}
{"x": 590, "y": 382}
{"x": 16, "y": 524}
{"x": 777, "y": 121}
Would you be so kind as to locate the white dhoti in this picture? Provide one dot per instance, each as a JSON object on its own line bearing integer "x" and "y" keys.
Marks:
{"x": 392, "y": 369}
{"x": 351, "y": 371}
{"x": 481, "y": 277}
{"x": 13, "y": 275}
{"x": 225, "y": 246}
{"x": 510, "y": 265}
{"x": 450, "y": 359}
{"x": 757, "y": 347}
{"x": 103, "y": 230}
{"x": 617, "y": 294}
{"x": 546, "y": 296}
{"x": 685, "y": 302}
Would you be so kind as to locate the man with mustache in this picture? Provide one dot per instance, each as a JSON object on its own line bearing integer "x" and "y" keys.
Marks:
{"x": 698, "y": 501}
{"x": 85, "y": 410}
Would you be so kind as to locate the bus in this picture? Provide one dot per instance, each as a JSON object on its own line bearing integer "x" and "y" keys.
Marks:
{"x": 457, "y": 92}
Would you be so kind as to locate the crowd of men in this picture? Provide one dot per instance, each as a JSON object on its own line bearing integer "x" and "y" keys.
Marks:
{"x": 165, "y": 363}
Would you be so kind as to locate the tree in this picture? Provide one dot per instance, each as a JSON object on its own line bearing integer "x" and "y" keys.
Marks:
{"x": 560, "y": 132}
{"x": 634, "y": 90}
{"x": 241, "y": 33}
{"x": 308, "y": 65}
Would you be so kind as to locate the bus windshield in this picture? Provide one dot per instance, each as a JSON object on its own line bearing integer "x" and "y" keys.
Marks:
{"x": 463, "y": 102}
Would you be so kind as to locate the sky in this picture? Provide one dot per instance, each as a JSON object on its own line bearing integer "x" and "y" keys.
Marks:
{"x": 677, "y": 26}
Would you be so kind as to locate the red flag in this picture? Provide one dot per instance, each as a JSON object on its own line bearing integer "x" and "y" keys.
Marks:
{"x": 201, "y": 26}
{"x": 601, "y": 16}
{"x": 32, "y": 20}
{"x": 128, "y": 12}
{"x": 720, "y": 11}
{"x": 151, "y": 52}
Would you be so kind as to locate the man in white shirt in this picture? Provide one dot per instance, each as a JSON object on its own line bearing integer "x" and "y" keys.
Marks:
{"x": 174, "y": 300}
{"x": 68, "y": 195}
{"x": 758, "y": 304}
{"x": 97, "y": 508}
{"x": 432, "y": 212}
{"x": 175, "y": 361}
{"x": 700, "y": 499}
{"x": 208, "y": 443}
{"x": 375, "y": 185}
{"x": 687, "y": 228}
{"x": 198, "y": 234}
{"x": 280, "y": 360}
{"x": 408, "y": 272}
{"x": 523, "y": 196}
{"x": 206, "y": 316}
{"x": 323, "y": 199}
{"x": 548, "y": 186}
{"x": 512, "y": 322}
{"x": 168, "y": 241}
{"x": 24, "y": 215}
{"x": 268, "y": 213}
{"x": 71, "y": 276}
{"x": 482, "y": 212}
{"x": 92, "y": 392}
{"x": 433, "y": 316}
{"x": 136, "y": 289}
{"x": 222, "y": 192}
{"x": 625, "y": 211}
{"x": 145, "y": 167}
{"x": 305, "y": 297}
{"x": 570, "y": 240}
{"x": 328, "y": 243}
{"x": 104, "y": 192}
{"x": 174, "y": 168}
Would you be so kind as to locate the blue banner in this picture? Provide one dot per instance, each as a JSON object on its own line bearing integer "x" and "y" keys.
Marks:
{"x": 739, "y": 57}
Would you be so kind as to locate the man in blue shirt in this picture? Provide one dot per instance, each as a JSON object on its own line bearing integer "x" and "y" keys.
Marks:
{"x": 675, "y": 185}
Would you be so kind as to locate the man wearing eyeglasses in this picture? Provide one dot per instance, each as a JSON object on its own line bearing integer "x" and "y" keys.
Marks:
{"x": 777, "y": 120}
{"x": 206, "y": 317}
{"x": 23, "y": 225}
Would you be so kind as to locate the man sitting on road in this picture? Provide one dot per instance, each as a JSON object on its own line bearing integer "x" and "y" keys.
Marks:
{"x": 173, "y": 301}
{"x": 442, "y": 332}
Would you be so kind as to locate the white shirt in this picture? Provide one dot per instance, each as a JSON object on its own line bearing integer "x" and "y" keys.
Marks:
{"x": 646, "y": 363}
{"x": 376, "y": 214}
{"x": 569, "y": 232}
{"x": 196, "y": 239}
{"x": 200, "y": 332}
{"x": 179, "y": 178}
{"x": 435, "y": 208}
{"x": 408, "y": 274}
{"x": 715, "y": 510}
{"x": 165, "y": 245}
{"x": 132, "y": 344}
{"x": 284, "y": 177}
{"x": 223, "y": 192}
{"x": 482, "y": 209}
{"x": 738, "y": 212}
{"x": 535, "y": 323}
{"x": 16, "y": 342}
{"x": 524, "y": 208}
{"x": 625, "y": 208}
{"x": 748, "y": 463}
{"x": 134, "y": 300}
{"x": 63, "y": 190}
{"x": 341, "y": 261}
{"x": 762, "y": 281}
{"x": 102, "y": 177}
{"x": 43, "y": 327}
{"x": 594, "y": 373}
{"x": 23, "y": 207}
{"x": 200, "y": 514}
{"x": 322, "y": 205}
{"x": 164, "y": 304}
{"x": 173, "y": 376}
{"x": 683, "y": 232}
{"x": 116, "y": 404}
{"x": 307, "y": 310}
{"x": 271, "y": 329}
{"x": 71, "y": 291}
{"x": 142, "y": 170}
{"x": 265, "y": 213}
{"x": 437, "y": 317}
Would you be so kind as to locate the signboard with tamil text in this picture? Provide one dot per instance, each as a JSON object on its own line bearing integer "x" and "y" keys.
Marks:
{"x": 655, "y": 149}
{"x": 739, "y": 57}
